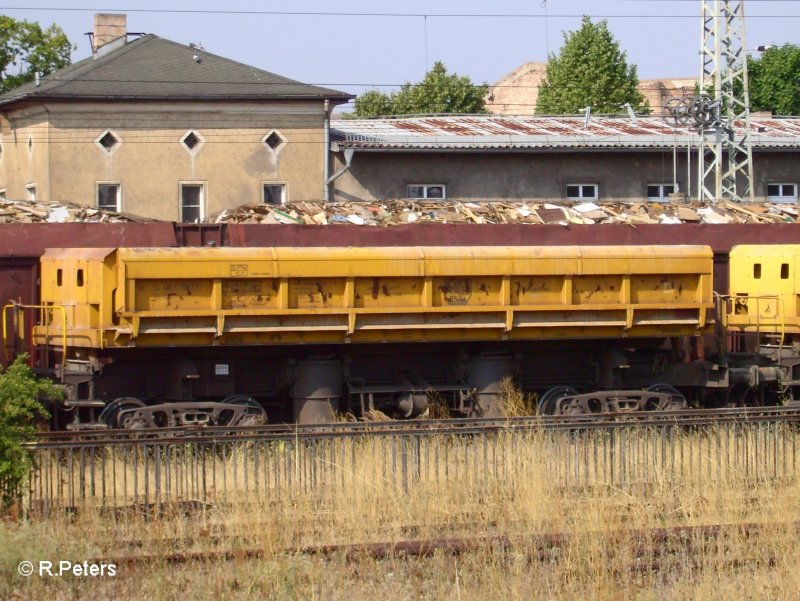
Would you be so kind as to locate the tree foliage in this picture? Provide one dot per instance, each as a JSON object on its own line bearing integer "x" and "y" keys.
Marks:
{"x": 27, "y": 49}
{"x": 592, "y": 71}
{"x": 20, "y": 391}
{"x": 438, "y": 92}
{"x": 774, "y": 79}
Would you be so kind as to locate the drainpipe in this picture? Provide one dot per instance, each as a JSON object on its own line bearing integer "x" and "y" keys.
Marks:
{"x": 326, "y": 169}
{"x": 348, "y": 160}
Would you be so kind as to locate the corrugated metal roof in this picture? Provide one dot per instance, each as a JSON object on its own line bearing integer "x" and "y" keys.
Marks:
{"x": 496, "y": 132}
{"x": 152, "y": 68}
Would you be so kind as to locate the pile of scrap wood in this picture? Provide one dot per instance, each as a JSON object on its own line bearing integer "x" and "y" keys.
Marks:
{"x": 30, "y": 211}
{"x": 404, "y": 211}
{"x": 396, "y": 212}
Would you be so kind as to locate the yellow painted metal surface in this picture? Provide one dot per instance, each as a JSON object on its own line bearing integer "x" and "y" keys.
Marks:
{"x": 219, "y": 296}
{"x": 765, "y": 296}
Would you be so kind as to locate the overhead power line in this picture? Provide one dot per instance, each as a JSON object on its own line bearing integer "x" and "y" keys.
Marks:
{"x": 408, "y": 15}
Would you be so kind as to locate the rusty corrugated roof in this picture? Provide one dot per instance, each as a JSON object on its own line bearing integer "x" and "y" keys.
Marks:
{"x": 496, "y": 132}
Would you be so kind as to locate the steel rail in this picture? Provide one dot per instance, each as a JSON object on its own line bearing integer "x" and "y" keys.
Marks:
{"x": 431, "y": 423}
{"x": 659, "y": 537}
{"x": 212, "y": 436}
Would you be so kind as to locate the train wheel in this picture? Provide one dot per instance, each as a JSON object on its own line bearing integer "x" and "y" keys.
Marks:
{"x": 111, "y": 413}
{"x": 548, "y": 402}
{"x": 668, "y": 389}
{"x": 254, "y": 414}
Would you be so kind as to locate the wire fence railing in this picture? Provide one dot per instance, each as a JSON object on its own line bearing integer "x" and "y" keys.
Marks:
{"x": 99, "y": 475}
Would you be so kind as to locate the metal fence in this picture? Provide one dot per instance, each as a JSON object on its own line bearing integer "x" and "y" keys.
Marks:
{"x": 107, "y": 475}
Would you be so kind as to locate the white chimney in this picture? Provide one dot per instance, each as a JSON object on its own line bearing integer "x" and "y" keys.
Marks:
{"x": 110, "y": 32}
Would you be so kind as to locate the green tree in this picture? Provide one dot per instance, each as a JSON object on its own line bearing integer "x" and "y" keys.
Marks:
{"x": 438, "y": 92}
{"x": 774, "y": 79}
{"x": 592, "y": 71}
{"x": 27, "y": 49}
{"x": 20, "y": 391}
{"x": 372, "y": 103}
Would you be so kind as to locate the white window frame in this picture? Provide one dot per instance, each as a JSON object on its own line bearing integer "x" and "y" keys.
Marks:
{"x": 203, "y": 194}
{"x": 2, "y": 193}
{"x": 30, "y": 190}
{"x": 663, "y": 195}
{"x": 284, "y": 194}
{"x": 426, "y": 191}
{"x": 280, "y": 146}
{"x": 782, "y": 197}
{"x": 200, "y": 143}
{"x": 580, "y": 196}
{"x": 114, "y": 148}
{"x": 118, "y": 208}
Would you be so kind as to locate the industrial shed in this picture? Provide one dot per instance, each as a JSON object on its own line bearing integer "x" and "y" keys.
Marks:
{"x": 492, "y": 157}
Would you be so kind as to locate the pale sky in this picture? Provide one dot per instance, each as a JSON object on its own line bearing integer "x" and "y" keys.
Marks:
{"x": 390, "y": 43}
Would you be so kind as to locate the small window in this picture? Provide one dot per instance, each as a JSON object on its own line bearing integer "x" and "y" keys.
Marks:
{"x": 582, "y": 192}
{"x": 781, "y": 192}
{"x": 108, "y": 197}
{"x": 273, "y": 140}
{"x": 432, "y": 191}
{"x": 659, "y": 191}
{"x": 31, "y": 191}
{"x": 192, "y": 202}
{"x": 784, "y": 271}
{"x": 757, "y": 271}
{"x": 2, "y": 194}
{"x": 79, "y": 278}
{"x": 192, "y": 141}
{"x": 59, "y": 277}
{"x": 274, "y": 194}
{"x": 108, "y": 141}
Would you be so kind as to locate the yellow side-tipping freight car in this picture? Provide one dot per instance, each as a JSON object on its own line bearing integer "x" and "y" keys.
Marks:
{"x": 267, "y": 296}
{"x": 167, "y": 336}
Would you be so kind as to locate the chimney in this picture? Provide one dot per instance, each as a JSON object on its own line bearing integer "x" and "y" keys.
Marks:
{"x": 110, "y": 32}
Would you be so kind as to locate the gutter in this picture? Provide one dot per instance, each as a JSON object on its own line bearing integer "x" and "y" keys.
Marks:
{"x": 348, "y": 161}
{"x": 326, "y": 159}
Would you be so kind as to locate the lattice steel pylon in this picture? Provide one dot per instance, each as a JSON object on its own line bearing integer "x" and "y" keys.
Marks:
{"x": 727, "y": 158}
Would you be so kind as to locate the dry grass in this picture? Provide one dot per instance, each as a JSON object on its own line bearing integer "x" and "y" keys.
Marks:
{"x": 363, "y": 502}
{"x": 514, "y": 402}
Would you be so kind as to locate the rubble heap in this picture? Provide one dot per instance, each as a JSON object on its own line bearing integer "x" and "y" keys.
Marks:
{"x": 397, "y": 212}
{"x": 403, "y": 211}
{"x": 29, "y": 211}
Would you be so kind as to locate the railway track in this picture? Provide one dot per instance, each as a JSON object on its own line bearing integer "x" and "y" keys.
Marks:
{"x": 293, "y": 432}
{"x": 655, "y": 543}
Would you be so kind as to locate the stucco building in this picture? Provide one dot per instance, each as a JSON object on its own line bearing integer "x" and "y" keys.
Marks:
{"x": 517, "y": 92}
{"x": 163, "y": 130}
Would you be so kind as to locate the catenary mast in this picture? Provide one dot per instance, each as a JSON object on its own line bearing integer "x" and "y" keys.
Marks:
{"x": 727, "y": 159}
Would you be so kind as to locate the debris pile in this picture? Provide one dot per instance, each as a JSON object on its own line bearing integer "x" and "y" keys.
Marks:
{"x": 403, "y": 211}
{"x": 28, "y": 211}
{"x": 395, "y": 212}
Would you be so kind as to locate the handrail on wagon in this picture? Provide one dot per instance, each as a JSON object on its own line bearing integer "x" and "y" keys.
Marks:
{"x": 781, "y": 310}
{"x": 46, "y": 322}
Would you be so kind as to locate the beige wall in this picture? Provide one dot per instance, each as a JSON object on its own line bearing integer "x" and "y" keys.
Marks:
{"x": 150, "y": 162}
{"x": 25, "y": 154}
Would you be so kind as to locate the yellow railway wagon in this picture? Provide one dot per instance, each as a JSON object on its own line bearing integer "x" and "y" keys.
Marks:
{"x": 764, "y": 288}
{"x": 149, "y": 297}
